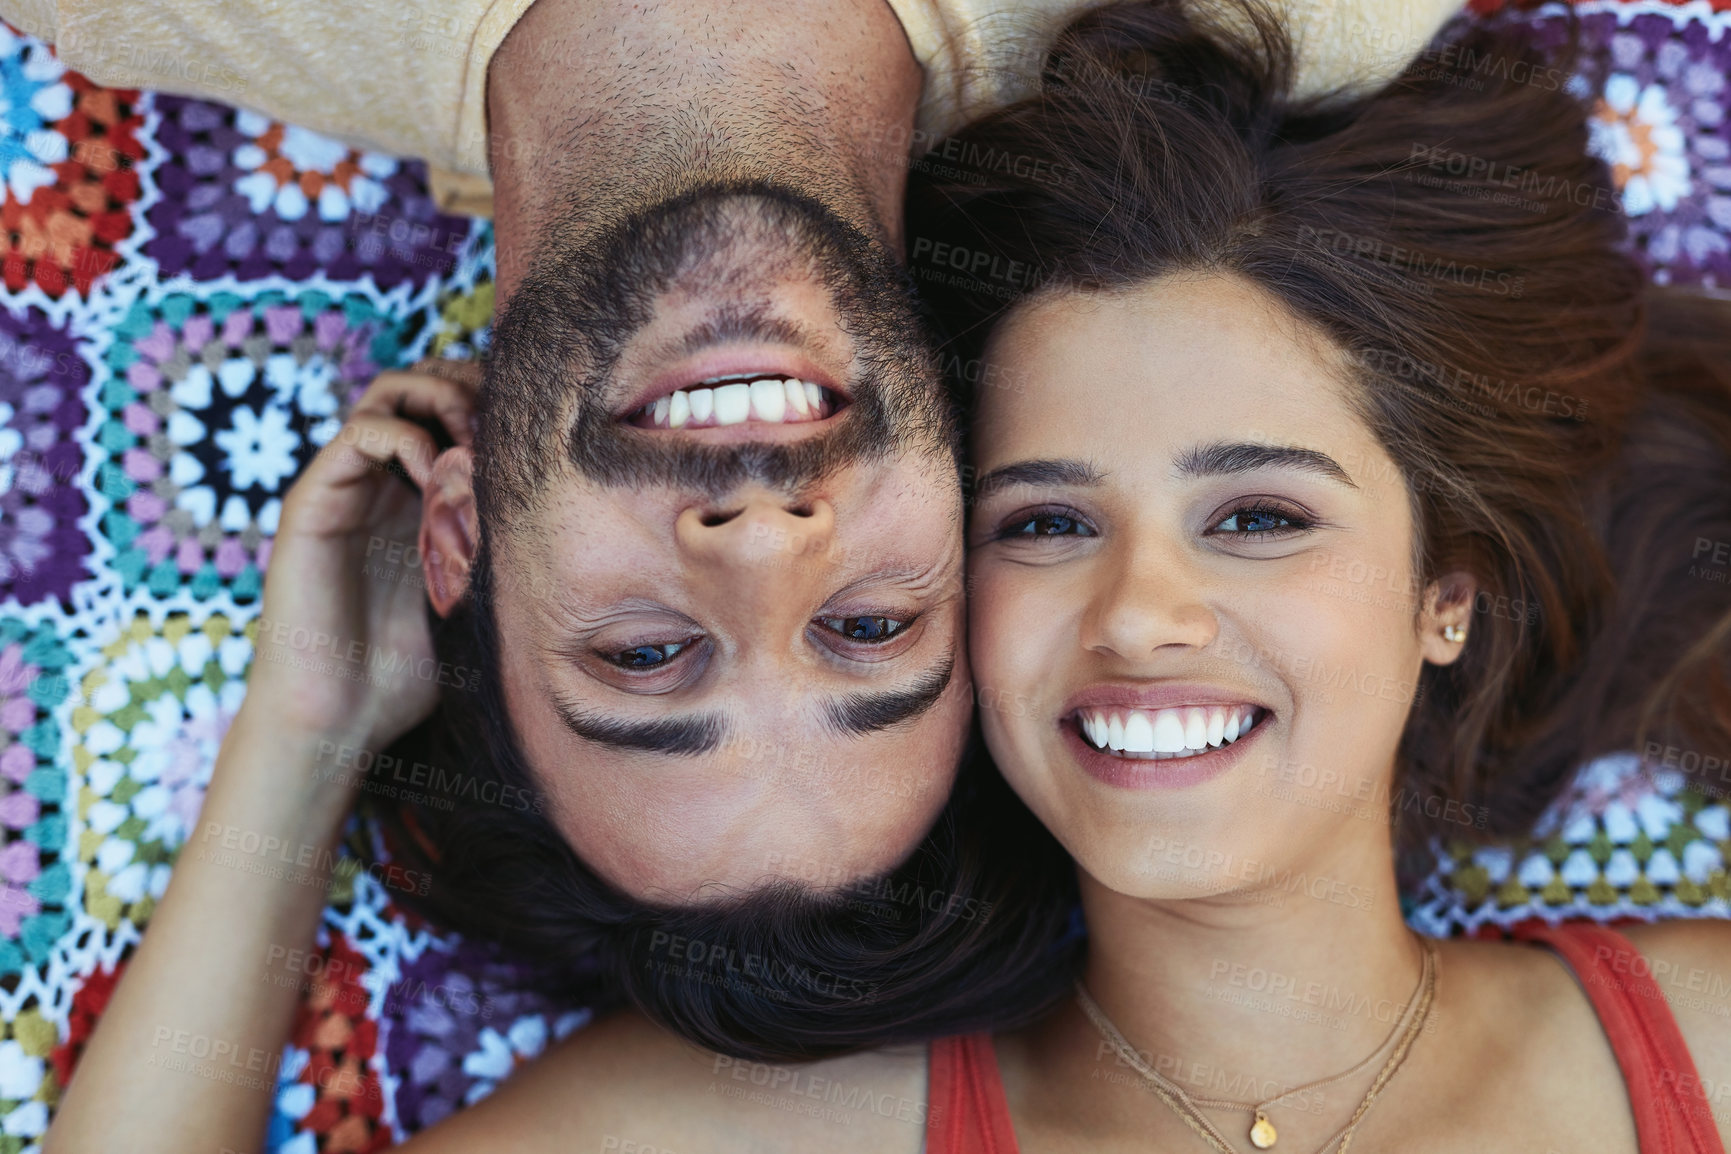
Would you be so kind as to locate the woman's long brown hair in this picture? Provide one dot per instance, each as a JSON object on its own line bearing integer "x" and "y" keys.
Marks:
{"x": 1564, "y": 433}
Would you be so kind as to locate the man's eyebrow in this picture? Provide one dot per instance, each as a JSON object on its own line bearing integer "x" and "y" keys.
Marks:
{"x": 861, "y": 713}
{"x": 685, "y": 736}
{"x": 1223, "y": 457}
{"x": 1042, "y": 473}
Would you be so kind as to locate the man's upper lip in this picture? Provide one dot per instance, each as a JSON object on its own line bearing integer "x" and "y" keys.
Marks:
{"x": 1165, "y": 695}
{"x": 737, "y": 361}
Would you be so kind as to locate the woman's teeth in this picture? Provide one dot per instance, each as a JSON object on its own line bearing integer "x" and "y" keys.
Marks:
{"x": 771, "y": 400}
{"x": 1165, "y": 733}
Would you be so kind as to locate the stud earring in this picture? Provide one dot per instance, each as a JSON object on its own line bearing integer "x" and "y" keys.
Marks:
{"x": 1455, "y": 633}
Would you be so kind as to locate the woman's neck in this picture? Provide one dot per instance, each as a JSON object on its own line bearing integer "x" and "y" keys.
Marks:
{"x": 1247, "y": 996}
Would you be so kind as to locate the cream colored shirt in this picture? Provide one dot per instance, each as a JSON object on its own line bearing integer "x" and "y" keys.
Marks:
{"x": 409, "y": 77}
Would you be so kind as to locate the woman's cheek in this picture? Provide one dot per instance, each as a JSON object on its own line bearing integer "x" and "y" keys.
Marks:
{"x": 1008, "y": 646}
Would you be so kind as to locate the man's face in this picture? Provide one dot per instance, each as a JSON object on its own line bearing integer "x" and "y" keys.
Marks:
{"x": 730, "y": 646}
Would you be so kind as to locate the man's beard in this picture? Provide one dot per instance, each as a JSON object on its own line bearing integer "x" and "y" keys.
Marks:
{"x": 546, "y": 400}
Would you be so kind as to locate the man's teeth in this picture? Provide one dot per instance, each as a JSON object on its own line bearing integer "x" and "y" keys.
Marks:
{"x": 1166, "y": 733}
{"x": 771, "y": 401}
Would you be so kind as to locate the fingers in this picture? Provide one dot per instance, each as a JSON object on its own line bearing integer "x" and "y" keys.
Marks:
{"x": 425, "y": 396}
{"x": 369, "y": 440}
{"x": 463, "y": 372}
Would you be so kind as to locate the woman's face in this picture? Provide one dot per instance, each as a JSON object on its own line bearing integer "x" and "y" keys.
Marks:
{"x": 1183, "y": 531}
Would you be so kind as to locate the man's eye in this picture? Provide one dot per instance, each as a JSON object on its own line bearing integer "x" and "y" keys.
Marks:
{"x": 647, "y": 656}
{"x": 868, "y": 629}
{"x": 1258, "y": 520}
{"x": 1047, "y": 525}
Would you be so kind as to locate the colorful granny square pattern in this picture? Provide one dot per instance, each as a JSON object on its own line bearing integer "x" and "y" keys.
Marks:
{"x": 249, "y": 197}
{"x": 42, "y": 375}
{"x": 35, "y": 877}
{"x": 460, "y": 1022}
{"x": 329, "y": 1093}
{"x": 145, "y": 737}
{"x": 1628, "y": 840}
{"x": 1661, "y": 80}
{"x": 28, "y": 1086}
{"x": 463, "y": 326}
{"x": 213, "y": 404}
{"x": 69, "y": 150}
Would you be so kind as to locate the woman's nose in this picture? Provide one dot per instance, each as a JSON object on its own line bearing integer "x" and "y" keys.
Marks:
{"x": 1143, "y": 606}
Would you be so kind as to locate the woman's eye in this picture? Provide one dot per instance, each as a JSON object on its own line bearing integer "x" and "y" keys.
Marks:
{"x": 647, "y": 656}
{"x": 1260, "y": 520}
{"x": 867, "y": 629}
{"x": 1047, "y": 525}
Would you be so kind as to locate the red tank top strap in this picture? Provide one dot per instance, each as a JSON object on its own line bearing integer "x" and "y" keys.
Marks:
{"x": 1643, "y": 1034}
{"x": 966, "y": 1111}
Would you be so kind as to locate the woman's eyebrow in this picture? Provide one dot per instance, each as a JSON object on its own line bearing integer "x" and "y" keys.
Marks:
{"x": 1047, "y": 473}
{"x": 1225, "y": 457}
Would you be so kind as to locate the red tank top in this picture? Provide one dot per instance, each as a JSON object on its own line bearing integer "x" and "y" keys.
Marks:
{"x": 968, "y": 1113}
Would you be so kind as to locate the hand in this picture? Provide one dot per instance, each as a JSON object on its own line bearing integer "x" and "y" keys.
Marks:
{"x": 343, "y": 645}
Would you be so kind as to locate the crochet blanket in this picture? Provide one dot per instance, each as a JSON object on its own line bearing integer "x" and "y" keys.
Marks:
{"x": 189, "y": 296}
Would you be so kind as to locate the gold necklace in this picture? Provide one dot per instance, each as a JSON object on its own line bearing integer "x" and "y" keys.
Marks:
{"x": 1262, "y": 1132}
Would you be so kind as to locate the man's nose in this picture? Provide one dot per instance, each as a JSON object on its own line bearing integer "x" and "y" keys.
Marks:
{"x": 763, "y": 540}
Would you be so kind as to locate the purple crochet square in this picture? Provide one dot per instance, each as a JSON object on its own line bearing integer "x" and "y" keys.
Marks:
{"x": 1660, "y": 86}
{"x": 42, "y": 549}
{"x": 248, "y": 196}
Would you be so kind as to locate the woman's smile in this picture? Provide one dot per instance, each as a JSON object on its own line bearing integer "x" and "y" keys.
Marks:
{"x": 1159, "y": 736}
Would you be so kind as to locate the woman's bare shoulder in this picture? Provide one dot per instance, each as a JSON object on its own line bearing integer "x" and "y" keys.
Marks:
{"x": 624, "y": 1084}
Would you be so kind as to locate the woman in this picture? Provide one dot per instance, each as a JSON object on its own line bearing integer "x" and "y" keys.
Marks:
{"x": 1241, "y": 484}
{"x": 1280, "y": 419}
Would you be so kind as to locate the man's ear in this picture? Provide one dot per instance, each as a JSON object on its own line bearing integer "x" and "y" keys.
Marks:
{"x": 449, "y": 528}
{"x": 1446, "y": 617}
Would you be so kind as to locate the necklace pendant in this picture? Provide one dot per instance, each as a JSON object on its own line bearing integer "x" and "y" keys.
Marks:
{"x": 1262, "y": 1134}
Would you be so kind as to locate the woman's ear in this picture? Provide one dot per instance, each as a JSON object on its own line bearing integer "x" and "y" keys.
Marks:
{"x": 1446, "y": 617}
{"x": 449, "y": 528}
